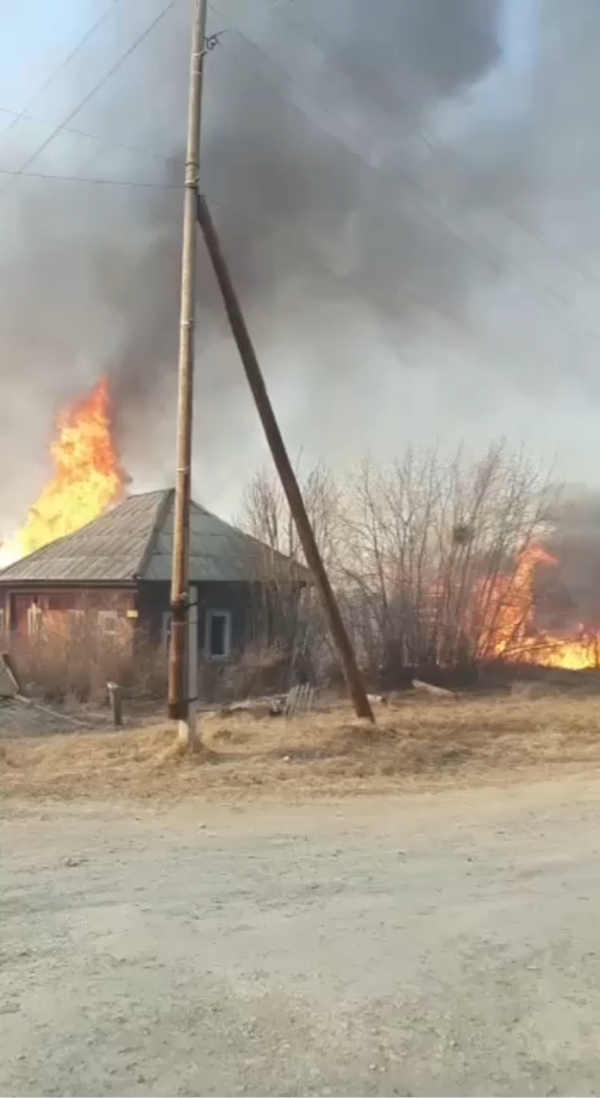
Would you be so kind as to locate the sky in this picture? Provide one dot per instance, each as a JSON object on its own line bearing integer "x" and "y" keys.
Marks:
{"x": 406, "y": 192}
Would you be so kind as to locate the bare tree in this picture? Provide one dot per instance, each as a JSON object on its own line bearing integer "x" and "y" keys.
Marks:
{"x": 287, "y": 610}
{"x": 424, "y": 552}
{"x": 266, "y": 514}
{"x": 426, "y": 543}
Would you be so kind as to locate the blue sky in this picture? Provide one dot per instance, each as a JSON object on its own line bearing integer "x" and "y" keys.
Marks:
{"x": 36, "y": 36}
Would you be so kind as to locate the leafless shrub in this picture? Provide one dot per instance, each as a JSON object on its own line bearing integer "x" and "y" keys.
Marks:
{"x": 261, "y": 669}
{"x": 415, "y": 551}
{"x": 287, "y": 614}
{"x": 77, "y": 663}
{"x": 266, "y": 514}
{"x": 428, "y": 540}
{"x": 146, "y": 671}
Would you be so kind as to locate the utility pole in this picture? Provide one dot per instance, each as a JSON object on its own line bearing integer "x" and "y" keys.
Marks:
{"x": 283, "y": 464}
{"x": 182, "y": 708}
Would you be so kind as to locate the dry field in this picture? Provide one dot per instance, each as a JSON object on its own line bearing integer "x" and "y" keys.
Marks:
{"x": 417, "y": 743}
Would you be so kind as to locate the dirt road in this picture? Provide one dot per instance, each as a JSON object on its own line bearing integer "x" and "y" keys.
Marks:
{"x": 431, "y": 944}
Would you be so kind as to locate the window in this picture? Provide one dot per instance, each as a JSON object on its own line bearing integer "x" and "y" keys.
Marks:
{"x": 108, "y": 622}
{"x": 75, "y": 622}
{"x": 34, "y": 620}
{"x": 217, "y": 635}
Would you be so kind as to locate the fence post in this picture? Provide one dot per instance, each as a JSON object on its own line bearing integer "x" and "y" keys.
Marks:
{"x": 116, "y": 703}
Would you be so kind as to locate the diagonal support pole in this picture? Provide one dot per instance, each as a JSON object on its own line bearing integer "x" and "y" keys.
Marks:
{"x": 284, "y": 467}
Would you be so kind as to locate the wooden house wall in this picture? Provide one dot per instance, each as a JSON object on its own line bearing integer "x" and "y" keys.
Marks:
{"x": 57, "y": 607}
{"x": 154, "y": 600}
{"x": 143, "y": 611}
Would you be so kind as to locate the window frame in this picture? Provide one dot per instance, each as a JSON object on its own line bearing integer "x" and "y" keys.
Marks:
{"x": 211, "y": 614}
{"x": 104, "y": 617}
{"x": 34, "y": 619}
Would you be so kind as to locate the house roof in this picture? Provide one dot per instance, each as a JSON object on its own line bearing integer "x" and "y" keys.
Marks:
{"x": 134, "y": 541}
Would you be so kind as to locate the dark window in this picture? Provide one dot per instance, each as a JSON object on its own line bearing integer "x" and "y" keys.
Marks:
{"x": 218, "y": 634}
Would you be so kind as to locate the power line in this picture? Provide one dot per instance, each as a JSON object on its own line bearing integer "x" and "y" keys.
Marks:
{"x": 275, "y": 7}
{"x": 151, "y": 153}
{"x": 144, "y": 152}
{"x": 89, "y": 180}
{"x": 133, "y": 183}
{"x": 89, "y": 95}
{"x": 542, "y": 293}
{"x": 246, "y": 213}
{"x": 426, "y": 138}
{"x": 490, "y": 254}
{"x": 46, "y": 84}
{"x": 558, "y": 253}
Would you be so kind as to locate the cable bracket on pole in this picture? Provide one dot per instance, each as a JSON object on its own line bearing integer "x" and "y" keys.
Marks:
{"x": 211, "y": 41}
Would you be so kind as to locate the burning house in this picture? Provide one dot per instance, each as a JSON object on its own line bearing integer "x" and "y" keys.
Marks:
{"x": 114, "y": 575}
{"x": 90, "y": 556}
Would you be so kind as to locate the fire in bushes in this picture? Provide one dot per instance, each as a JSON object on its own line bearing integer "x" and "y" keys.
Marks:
{"x": 515, "y": 606}
{"x": 525, "y": 613}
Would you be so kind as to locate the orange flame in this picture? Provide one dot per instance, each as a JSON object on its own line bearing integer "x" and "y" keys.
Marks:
{"x": 510, "y": 610}
{"x": 87, "y": 476}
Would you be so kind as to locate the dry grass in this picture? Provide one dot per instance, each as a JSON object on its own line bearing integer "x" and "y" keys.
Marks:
{"x": 416, "y": 744}
{"x": 57, "y": 666}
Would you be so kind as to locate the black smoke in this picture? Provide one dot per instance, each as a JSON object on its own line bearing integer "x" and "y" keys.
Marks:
{"x": 574, "y": 542}
{"x": 319, "y": 167}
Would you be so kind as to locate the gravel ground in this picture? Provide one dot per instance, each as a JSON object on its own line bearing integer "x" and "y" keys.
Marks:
{"x": 430, "y": 944}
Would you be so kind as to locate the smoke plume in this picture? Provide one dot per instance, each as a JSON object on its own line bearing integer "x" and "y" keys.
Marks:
{"x": 575, "y": 544}
{"x": 397, "y": 192}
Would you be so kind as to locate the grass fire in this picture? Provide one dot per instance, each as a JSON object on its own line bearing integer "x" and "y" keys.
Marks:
{"x": 510, "y": 604}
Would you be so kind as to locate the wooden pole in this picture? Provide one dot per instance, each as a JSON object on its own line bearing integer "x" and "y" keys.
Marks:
{"x": 287, "y": 476}
{"x": 116, "y": 703}
{"x": 179, "y": 707}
